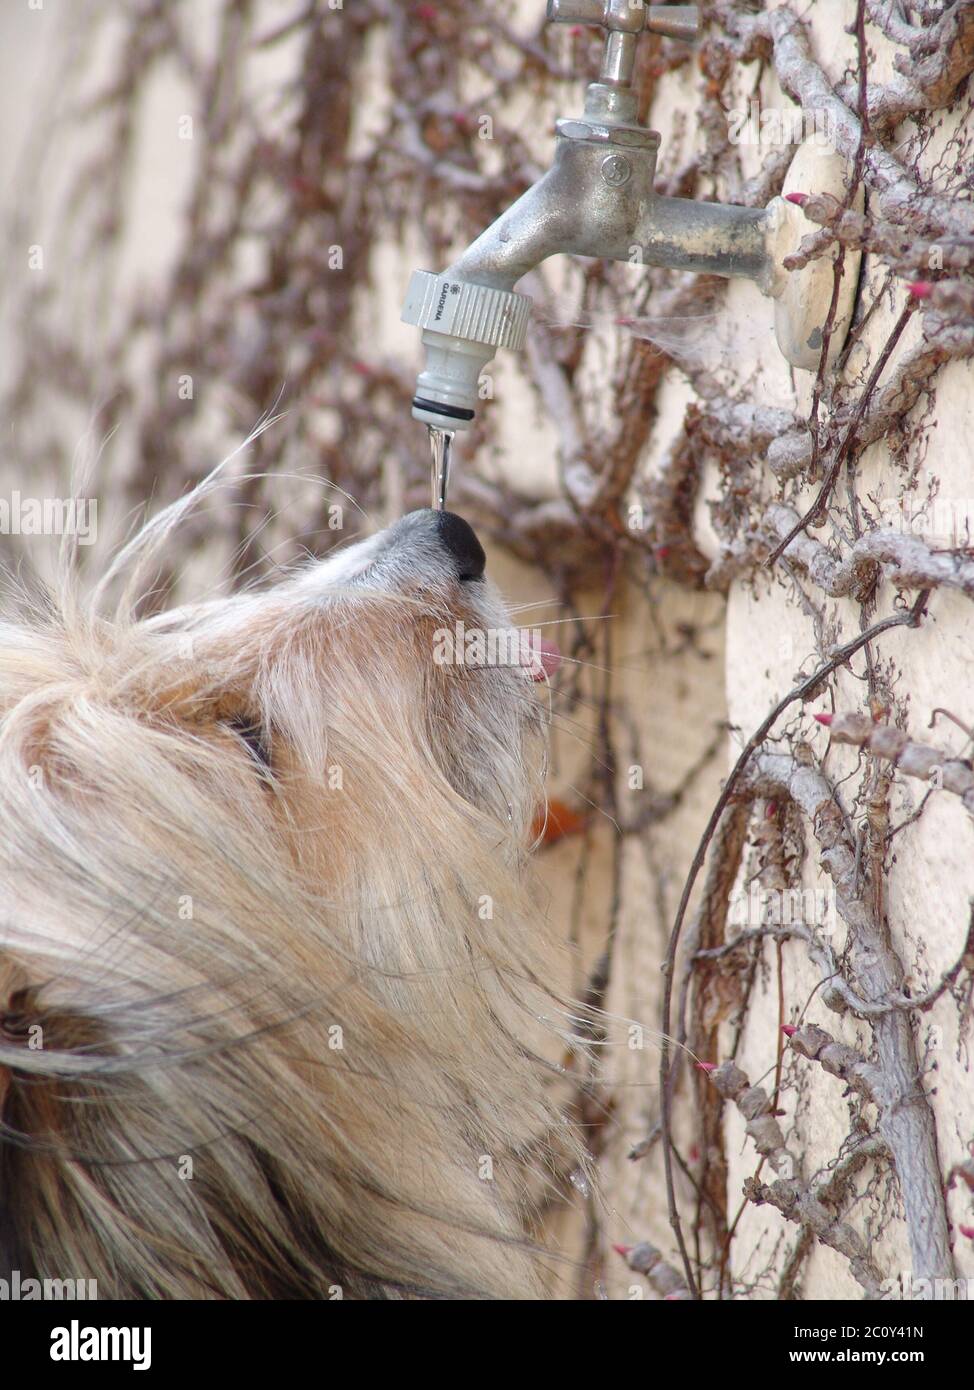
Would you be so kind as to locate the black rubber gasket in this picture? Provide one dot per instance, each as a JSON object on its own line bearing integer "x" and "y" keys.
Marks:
{"x": 452, "y": 412}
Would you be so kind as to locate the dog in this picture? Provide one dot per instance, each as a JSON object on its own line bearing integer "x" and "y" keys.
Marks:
{"x": 274, "y": 1019}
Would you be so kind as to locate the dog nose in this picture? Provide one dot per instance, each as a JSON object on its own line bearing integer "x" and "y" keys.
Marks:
{"x": 461, "y": 541}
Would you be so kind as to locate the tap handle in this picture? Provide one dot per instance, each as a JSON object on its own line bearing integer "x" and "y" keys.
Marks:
{"x": 624, "y": 17}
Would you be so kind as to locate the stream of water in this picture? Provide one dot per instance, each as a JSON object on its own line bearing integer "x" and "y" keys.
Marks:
{"x": 441, "y": 443}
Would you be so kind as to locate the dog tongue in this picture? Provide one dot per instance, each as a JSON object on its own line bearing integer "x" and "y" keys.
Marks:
{"x": 547, "y": 659}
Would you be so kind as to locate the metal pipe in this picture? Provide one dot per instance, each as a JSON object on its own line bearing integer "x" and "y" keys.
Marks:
{"x": 709, "y": 238}
{"x": 565, "y": 211}
{"x": 619, "y": 59}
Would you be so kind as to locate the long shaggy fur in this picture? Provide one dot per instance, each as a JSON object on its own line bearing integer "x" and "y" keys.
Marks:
{"x": 270, "y": 967}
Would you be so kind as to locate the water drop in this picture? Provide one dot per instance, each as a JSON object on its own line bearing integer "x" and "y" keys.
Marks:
{"x": 580, "y": 1182}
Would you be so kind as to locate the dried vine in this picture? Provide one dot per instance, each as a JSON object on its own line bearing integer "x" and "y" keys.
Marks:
{"x": 289, "y": 196}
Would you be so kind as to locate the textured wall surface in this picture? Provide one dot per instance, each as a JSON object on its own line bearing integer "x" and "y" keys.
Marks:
{"x": 673, "y": 674}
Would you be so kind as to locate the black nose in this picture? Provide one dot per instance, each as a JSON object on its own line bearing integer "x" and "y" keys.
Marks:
{"x": 461, "y": 541}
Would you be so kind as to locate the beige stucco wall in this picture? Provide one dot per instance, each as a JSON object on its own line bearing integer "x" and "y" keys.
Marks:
{"x": 767, "y": 636}
{"x": 675, "y": 693}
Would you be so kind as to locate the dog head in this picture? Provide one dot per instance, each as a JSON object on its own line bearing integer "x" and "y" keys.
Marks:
{"x": 273, "y": 967}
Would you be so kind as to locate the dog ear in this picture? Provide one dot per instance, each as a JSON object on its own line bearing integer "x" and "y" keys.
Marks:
{"x": 254, "y": 734}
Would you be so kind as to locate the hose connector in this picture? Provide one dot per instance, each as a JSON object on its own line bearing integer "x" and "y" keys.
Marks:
{"x": 463, "y": 326}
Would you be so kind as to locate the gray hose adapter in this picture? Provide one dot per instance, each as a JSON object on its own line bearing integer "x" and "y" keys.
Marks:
{"x": 463, "y": 325}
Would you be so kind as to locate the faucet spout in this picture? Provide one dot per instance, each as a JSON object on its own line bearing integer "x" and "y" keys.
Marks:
{"x": 575, "y": 209}
{"x": 471, "y": 310}
{"x": 535, "y": 227}
{"x": 597, "y": 200}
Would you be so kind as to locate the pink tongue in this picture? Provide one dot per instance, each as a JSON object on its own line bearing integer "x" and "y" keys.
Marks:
{"x": 547, "y": 659}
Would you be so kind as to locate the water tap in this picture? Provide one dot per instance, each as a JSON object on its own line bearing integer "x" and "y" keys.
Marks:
{"x": 598, "y": 199}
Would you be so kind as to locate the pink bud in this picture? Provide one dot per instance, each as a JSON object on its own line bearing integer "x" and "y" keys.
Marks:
{"x": 662, "y": 551}
{"x": 789, "y": 1030}
{"x": 427, "y": 12}
{"x": 967, "y": 1231}
{"x": 825, "y": 719}
{"x": 622, "y": 1250}
{"x": 771, "y": 810}
{"x": 708, "y": 1067}
{"x": 799, "y": 199}
{"x": 921, "y": 289}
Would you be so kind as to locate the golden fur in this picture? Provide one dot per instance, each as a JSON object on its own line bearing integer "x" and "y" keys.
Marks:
{"x": 270, "y": 961}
